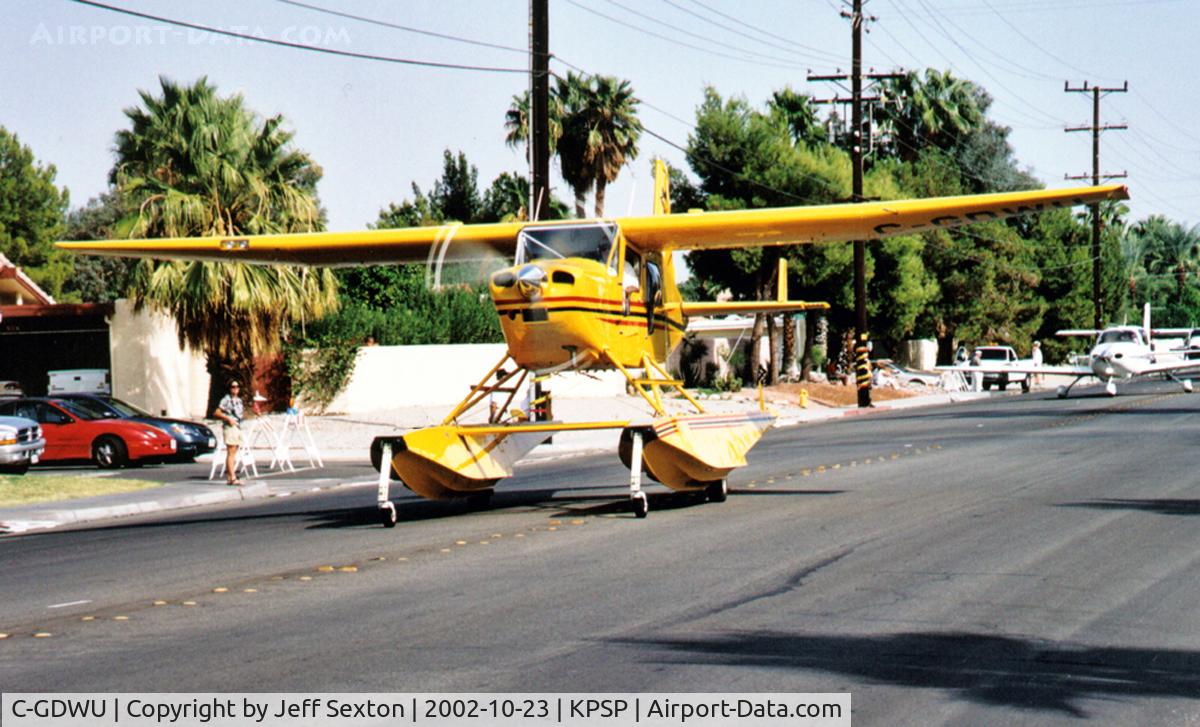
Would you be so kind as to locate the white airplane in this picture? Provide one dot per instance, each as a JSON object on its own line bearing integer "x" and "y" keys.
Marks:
{"x": 1120, "y": 352}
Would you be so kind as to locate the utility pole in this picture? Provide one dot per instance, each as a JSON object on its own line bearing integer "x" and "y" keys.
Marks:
{"x": 539, "y": 109}
{"x": 1096, "y": 176}
{"x": 862, "y": 365}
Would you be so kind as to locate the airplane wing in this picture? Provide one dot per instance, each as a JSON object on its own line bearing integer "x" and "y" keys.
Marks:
{"x": 706, "y": 230}
{"x": 1065, "y": 370}
{"x": 453, "y": 242}
{"x": 1166, "y": 367}
{"x": 1078, "y": 332}
{"x": 827, "y": 223}
{"x": 746, "y": 307}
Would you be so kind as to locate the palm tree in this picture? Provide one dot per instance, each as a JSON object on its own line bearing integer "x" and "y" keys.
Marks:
{"x": 194, "y": 163}
{"x": 799, "y": 113}
{"x": 572, "y": 149}
{"x": 609, "y": 116}
{"x": 1170, "y": 250}
{"x": 594, "y": 131}
{"x": 935, "y": 111}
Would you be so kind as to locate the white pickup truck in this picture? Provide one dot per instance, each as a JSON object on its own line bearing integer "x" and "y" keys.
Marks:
{"x": 1002, "y": 356}
{"x": 21, "y": 443}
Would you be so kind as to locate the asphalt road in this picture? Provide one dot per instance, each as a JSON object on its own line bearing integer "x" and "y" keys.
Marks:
{"x": 1019, "y": 560}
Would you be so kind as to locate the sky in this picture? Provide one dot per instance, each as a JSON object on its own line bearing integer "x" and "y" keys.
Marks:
{"x": 376, "y": 127}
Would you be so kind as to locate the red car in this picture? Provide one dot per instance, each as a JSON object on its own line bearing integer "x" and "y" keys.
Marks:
{"x": 73, "y": 433}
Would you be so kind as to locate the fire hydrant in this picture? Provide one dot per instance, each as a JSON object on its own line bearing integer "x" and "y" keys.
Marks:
{"x": 804, "y": 398}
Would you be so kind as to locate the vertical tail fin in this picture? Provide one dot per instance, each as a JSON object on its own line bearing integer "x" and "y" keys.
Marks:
{"x": 662, "y": 188}
{"x": 1146, "y": 321}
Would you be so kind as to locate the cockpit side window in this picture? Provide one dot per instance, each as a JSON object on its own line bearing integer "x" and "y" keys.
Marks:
{"x": 590, "y": 242}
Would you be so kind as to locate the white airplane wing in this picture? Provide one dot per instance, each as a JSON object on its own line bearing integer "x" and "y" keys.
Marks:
{"x": 1165, "y": 367}
{"x": 1065, "y": 370}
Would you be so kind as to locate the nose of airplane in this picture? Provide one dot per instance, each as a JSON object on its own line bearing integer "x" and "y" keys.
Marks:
{"x": 531, "y": 280}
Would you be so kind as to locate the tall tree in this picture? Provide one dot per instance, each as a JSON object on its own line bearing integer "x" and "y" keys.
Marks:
{"x": 937, "y": 110}
{"x": 195, "y": 163}
{"x": 1171, "y": 258}
{"x": 608, "y": 115}
{"x": 747, "y": 158}
{"x": 31, "y": 214}
{"x": 98, "y": 279}
{"x": 594, "y": 131}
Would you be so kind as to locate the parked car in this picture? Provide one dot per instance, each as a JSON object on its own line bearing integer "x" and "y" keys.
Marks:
{"x": 74, "y": 434}
{"x": 21, "y": 444}
{"x": 191, "y": 439}
{"x": 906, "y": 376}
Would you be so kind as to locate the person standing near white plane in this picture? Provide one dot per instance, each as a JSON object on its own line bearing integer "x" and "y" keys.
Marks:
{"x": 1036, "y": 358}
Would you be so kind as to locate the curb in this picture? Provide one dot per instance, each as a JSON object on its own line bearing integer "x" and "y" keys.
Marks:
{"x": 50, "y": 518}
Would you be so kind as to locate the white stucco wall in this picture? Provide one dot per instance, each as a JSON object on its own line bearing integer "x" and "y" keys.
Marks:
{"x": 148, "y": 368}
{"x": 391, "y": 377}
{"x": 919, "y": 353}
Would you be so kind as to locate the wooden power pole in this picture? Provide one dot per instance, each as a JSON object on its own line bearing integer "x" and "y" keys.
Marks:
{"x": 859, "y": 135}
{"x": 539, "y": 109}
{"x": 1096, "y": 177}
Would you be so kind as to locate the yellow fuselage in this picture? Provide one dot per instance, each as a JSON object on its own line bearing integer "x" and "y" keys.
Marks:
{"x": 584, "y": 312}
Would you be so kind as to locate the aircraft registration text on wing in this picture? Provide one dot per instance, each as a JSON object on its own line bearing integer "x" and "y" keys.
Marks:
{"x": 594, "y": 294}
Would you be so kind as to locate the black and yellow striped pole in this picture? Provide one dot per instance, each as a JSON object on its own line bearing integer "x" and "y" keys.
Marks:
{"x": 862, "y": 369}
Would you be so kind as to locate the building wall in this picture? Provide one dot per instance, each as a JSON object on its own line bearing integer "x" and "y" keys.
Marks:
{"x": 391, "y": 377}
{"x": 148, "y": 368}
{"x": 919, "y": 353}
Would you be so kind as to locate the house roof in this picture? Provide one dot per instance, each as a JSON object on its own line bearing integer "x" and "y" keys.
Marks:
{"x": 18, "y": 287}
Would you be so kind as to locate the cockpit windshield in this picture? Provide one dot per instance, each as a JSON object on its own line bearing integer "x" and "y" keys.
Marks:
{"x": 591, "y": 242}
{"x": 1119, "y": 336}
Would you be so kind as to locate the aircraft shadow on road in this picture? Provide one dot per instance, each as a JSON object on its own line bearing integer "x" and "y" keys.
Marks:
{"x": 1163, "y": 506}
{"x": 553, "y": 501}
{"x": 1016, "y": 673}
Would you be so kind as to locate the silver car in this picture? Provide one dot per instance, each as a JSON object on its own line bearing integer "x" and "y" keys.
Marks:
{"x": 21, "y": 444}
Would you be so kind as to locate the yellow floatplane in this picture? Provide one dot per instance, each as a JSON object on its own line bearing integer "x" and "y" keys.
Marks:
{"x": 588, "y": 295}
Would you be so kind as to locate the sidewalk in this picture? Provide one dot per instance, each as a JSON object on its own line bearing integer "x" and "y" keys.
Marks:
{"x": 342, "y": 438}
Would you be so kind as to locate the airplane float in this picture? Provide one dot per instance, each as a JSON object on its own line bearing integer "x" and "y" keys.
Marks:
{"x": 1120, "y": 352}
{"x": 594, "y": 294}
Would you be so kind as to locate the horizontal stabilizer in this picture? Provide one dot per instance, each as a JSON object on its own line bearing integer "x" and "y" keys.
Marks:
{"x": 748, "y": 307}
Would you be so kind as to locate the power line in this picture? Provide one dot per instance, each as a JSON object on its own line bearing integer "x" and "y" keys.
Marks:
{"x": 297, "y": 46}
{"x": 823, "y": 56}
{"x": 690, "y": 34}
{"x": 674, "y": 41}
{"x": 986, "y": 72}
{"x": 397, "y": 26}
